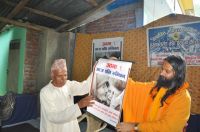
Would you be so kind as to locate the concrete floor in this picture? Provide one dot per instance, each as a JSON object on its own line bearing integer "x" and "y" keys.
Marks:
{"x": 83, "y": 125}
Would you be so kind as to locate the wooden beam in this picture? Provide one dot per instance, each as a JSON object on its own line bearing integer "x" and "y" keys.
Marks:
{"x": 17, "y": 8}
{"x": 15, "y": 11}
{"x": 26, "y": 25}
{"x": 92, "y": 2}
{"x": 42, "y": 13}
{"x": 77, "y": 21}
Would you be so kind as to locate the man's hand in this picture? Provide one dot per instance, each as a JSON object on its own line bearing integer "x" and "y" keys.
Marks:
{"x": 125, "y": 127}
{"x": 87, "y": 101}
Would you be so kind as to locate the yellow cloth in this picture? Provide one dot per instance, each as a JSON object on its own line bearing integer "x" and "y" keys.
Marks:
{"x": 156, "y": 104}
{"x": 172, "y": 117}
{"x": 134, "y": 100}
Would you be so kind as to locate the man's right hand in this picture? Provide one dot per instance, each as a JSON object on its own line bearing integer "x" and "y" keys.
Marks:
{"x": 87, "y": 101}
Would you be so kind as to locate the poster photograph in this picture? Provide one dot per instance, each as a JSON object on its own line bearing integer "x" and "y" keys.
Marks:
{"x": 180, "y": 39}
{"x": 104, "y": 48}
{"x": 108, "y": 85}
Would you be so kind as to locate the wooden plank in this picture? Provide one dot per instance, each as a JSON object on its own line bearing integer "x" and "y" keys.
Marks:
{"x": 42, "y": 13}
{"x": 77, "y": 21}
{"x": 17, "y": 8}
{"x": 92, "y": 2}
{"x": 15, "y": 11}
{"x": 26, "y": 25}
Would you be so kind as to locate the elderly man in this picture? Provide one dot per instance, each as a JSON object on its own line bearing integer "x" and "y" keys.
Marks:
{"x": 58, "y": 111}
{"x": 168, "y": 102}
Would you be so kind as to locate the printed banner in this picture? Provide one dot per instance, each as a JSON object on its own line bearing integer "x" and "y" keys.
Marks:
{"x": 108, "y": 85}
{"x": 105, "y": 48}
{"x": 181, "y": 39}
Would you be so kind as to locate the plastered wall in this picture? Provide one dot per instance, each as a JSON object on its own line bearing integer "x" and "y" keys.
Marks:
{"x": 135, "y": 49}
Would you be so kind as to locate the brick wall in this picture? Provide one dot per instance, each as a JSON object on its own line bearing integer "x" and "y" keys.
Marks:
{"x": 120, "y": 19}
{"x": 31, "y": 61}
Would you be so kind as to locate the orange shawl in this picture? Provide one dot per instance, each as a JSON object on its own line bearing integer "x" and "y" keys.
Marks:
{"x": 152, "y": 106}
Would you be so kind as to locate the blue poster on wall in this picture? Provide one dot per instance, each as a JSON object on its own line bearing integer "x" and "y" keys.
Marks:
{"x": 179, "y": 39}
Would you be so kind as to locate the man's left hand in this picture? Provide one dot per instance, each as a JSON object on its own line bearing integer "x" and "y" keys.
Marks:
{"x": 125, "y": 127}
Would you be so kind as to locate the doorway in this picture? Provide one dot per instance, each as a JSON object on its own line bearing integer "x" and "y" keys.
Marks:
{"x": 13, "y": 66}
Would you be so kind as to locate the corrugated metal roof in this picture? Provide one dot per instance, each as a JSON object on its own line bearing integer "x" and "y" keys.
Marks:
{"x": 48, "y": 13}
{"x": 54, "y": 14}
{"x": 4, "y": 9}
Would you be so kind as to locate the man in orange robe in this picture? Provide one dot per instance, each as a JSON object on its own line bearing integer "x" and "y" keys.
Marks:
{"x": 162, "y": 106}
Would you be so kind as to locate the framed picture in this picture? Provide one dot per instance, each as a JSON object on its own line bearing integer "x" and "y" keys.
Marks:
{"x": 105, "y": 48}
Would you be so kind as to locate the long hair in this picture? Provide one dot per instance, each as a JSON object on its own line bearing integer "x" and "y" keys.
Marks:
{"x": 179, "y": 66}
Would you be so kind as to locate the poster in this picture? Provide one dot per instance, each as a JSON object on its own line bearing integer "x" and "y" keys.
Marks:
{"x": 181, "y": 39}
{"x": 104, "y": 48}
{"x": 108, "y": 85}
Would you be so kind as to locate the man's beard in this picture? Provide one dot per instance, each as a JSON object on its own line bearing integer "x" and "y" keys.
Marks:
{"x": 163, "y": 82}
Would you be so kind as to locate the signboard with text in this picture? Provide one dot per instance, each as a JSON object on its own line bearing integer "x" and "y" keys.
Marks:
{"x": 104, "y": 48}
{"x": 180, "y": 39}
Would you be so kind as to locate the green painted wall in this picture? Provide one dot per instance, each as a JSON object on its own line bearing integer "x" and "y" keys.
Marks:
{"x": 5, "y": 38}
{"x": 20, "y": 33}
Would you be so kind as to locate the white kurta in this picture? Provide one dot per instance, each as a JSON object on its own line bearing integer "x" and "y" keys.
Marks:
{"x": 58, "y": 111}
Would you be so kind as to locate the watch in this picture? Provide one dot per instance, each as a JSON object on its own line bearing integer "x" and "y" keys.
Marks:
{"x": 136, "y": 129}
